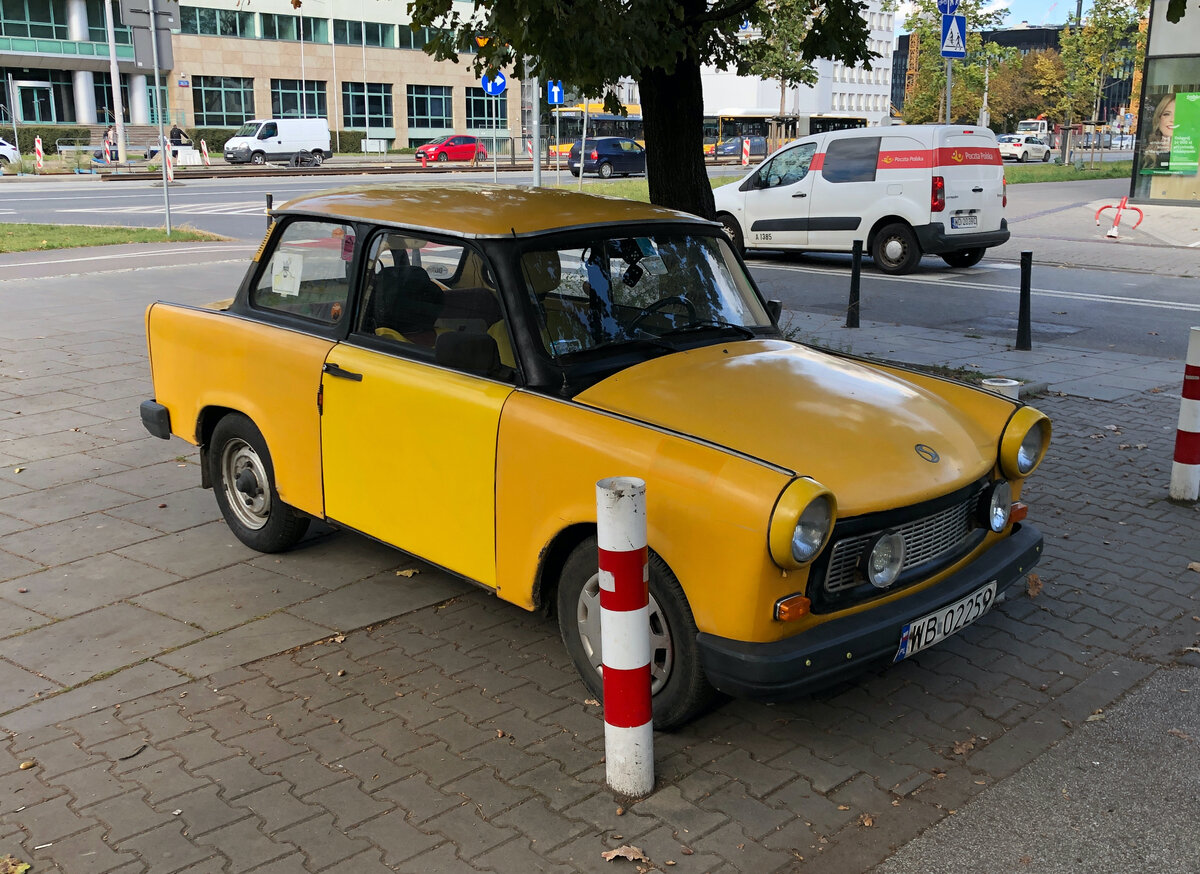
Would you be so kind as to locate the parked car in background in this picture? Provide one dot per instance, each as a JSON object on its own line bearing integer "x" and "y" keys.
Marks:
{"x": 450, "y": 370}
{"x": 732, "y": 147}
{"x": 8, "y": 152}
{"x": 905, "y": 191}
{"x": 456, "y": 147}
{"x": 1023, "y": 147}
{"x": 608, "y": 156}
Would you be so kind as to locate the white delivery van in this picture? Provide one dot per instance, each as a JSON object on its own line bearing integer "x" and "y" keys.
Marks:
{"x": 278, "y": 139}
{"x": 904, "y": 191}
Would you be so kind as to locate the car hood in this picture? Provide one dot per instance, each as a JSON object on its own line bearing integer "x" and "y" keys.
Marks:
{"x": 848, "y": 425}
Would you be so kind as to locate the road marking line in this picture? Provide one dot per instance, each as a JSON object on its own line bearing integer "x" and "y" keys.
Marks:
{"x": 123, "y": 257}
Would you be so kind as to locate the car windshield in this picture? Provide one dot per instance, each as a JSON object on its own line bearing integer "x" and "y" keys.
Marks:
{"x": 659, "y": 289}
{"x": 249, "y": 129}
{"x": 438, "y": 141}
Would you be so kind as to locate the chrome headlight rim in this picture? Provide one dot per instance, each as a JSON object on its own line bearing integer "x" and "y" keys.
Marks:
{"x": 995, "y": 506}
{"x": 882, "y": 558}
{"x": 1024, "y": 443}
{"x": 803, "y": 501}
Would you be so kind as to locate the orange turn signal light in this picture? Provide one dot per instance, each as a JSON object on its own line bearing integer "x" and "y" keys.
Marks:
{"x": 1019, "y": 511}
{"x": 792, "y": 608}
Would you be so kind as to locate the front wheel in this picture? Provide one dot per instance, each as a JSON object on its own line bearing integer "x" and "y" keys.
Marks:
{"x": 244, "y": 482}
{"x": 895, "y": 249}
{"x": 680, "y": 690}
{"x": 963, "y": 257}
{"x": 605, "y": 170}
{"x": 318, "y": 158}
{"x": 734, "y": 231}
{"x": 258, "y": 158}
{"x": 1045, "y": 156}
{"x": 442, "y": 157}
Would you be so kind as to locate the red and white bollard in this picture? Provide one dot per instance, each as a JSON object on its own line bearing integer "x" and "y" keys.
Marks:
{"x": 107, "y": 152}
{"x": 529, "y": 149}
{"x": 204, "y": 153}
{"x": 1115, "y": 231}
{"x": 170, "y": 165}
{"x": 745, "y": 151}
{"x": 1185, "y": 471}
{"x": 38, "y": 154}
{"x": 625, "y": 635}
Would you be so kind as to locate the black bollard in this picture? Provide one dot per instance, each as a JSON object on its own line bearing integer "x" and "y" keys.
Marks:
{"x": 1024, "y": 341}
{"x": 855, "y": 273}
{"x": 270, "y": 218}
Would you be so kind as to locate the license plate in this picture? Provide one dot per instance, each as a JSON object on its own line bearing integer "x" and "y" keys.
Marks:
{"x": 964, "y": 221}
{"x": 937, "y": 626}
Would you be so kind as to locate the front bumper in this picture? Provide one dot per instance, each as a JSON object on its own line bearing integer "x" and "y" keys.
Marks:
{"x": 840, "y": 648}
{"x": 156, "y": 419}
{"x": 934, "y": 240}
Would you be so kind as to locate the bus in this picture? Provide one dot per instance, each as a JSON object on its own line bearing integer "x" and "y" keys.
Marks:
{"x": 775, "y": 129}
{"x": 599, "y": 124}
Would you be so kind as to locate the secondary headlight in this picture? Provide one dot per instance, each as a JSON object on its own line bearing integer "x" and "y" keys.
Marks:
{"x": 1024, "y": 443}
{"x": 995, "y": 506}
{"x": 801, "y": 523}
{"x": 883, "y": 559}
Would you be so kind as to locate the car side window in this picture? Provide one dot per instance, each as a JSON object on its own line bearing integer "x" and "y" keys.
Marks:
{"x": 787, "y": 168}
{"x": 853, "y": 159}
{"x": 307, "y": 274}
{"x": 269, "y": 130}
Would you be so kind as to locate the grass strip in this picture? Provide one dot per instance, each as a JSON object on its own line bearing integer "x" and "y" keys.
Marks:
{"x": 29, "y": 238}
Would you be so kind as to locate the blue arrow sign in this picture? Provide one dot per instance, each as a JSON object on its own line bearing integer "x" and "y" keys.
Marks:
{"x": 954, "y": 36}
{"x": 947, "y": 7}
{"x": 494, "y": 86}
{"x": 555, "y": 95}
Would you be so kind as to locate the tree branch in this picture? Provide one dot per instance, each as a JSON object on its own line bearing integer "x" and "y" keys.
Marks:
{"x": 720, "y": 13}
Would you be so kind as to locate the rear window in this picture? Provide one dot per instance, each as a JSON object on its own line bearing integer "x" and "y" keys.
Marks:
{"x": 853, "y": 159}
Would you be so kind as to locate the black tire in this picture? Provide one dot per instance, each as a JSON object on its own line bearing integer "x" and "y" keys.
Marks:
{"x": 243, "y": 479}
{"x": 732, "y": 230}
{"x": 442, "y": 156}
{"x": 964, "y": 257}
{"x": 1045, "y": 156}
{"x": 258, "y": 158}
{"x": 318, "y": 158}
{"x": 575, "y": 173}
{"x": 681, "y": 690}
{"x": 605, "y": 170}
{"x": 895, "y": 249}
{"x": 1024, "y": 159}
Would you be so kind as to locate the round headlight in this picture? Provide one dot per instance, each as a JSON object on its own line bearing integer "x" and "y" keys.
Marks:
{"x": 883, "y": 559}
{"x": 1024, "y": 443}
{"x": 1030, "y": 452}
{"x": 996, "y": 505}
{"x": 811, "y": 529}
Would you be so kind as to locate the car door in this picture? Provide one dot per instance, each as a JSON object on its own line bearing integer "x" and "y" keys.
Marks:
{"x": 777, "y": 199}
{"x": 271, "y": 143}
{"x": 408, "y": 447}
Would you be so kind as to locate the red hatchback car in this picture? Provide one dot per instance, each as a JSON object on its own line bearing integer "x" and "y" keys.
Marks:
{"x": 458, "y": 147}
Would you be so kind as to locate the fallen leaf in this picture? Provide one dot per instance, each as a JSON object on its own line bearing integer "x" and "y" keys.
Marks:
{"x": 687, "y": 851}
{"x": 499, "y": 732}
{"x": 620, "y": 811}
{"x": 18, "y": 469}
{"x": 633, "y": 854}
{"x": 10, "y": 865}
{"x": 866, "y": 820}
{"x": 1033, "y": 585}
{"x": 1194, "y": 566}
{"x": 843, "y": 807}
{"x": 592, "y": 701}
{"x": 1095, "y": 717}
{"x": 1191, "y": 649}
{"x": 1112, "y": 428}
{"x": 341, "y": 672}
{"x": 963, "y": 747}
{"x": 1175, "y": 732}
{"x": 25, "y": 766}
{"x": 408, "y": 573}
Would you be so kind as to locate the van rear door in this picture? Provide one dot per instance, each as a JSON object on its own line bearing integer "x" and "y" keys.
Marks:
{"x": 969, "y": 161}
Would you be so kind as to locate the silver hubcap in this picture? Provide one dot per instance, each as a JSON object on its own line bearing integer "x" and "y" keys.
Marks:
{"x": 244, "y": 480}
{"x": 893, "y": 250}
{"x": 662, "y": 650}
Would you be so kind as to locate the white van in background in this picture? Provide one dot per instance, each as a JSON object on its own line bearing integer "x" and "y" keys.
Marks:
{"x": 904, "y": 191}
{"x": 278, "y": 139}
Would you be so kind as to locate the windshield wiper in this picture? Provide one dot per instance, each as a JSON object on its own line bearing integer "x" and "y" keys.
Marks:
{"x": 716, "y": 324}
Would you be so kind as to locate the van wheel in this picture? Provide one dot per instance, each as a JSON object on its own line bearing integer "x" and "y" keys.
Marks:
{"x": 732, "y": 230}
{"x": 605, "y": 171}
{"x": 895, "y": 249}
{"x": 244, "y": 482}
{"x": 258, "y": 158}
{"x": 318, "y": 158}
{"x": 964, "y": 257}
{"x": 680, "y": 690}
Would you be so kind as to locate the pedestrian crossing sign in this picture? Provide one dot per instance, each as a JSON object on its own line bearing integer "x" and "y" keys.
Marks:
{"x": 954, "y": 36}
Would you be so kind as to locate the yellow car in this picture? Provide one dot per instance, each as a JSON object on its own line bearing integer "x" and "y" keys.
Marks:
{"x": 452, "y": 369}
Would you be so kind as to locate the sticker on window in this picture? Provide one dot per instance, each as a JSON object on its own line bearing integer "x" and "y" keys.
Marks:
{"x": 285, "y": 273}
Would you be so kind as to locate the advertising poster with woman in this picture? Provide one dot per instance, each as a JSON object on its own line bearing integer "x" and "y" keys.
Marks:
{"x": 1173, "y": 142}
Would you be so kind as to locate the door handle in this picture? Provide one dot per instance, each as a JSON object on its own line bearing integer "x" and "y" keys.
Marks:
{"x": 801, "y": 194}
{"x": 977, "y": 190}
{"x": 333, "y": 370}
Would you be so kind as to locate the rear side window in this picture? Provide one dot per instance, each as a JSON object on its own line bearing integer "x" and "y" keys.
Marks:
{"x": 308, "y": 273}
{"x": 852, "y": 159}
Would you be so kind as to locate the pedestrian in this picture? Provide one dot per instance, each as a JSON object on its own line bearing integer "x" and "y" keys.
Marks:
{"x": 177, "y": 136}
{"x": 110, "y": 135}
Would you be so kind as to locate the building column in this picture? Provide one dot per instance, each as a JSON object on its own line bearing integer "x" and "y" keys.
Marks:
{"x": 139, "y": 99}
{"x": 84, "y": 92}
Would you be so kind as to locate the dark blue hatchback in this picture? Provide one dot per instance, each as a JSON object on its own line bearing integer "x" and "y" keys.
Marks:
{"x": 608, "y": 156}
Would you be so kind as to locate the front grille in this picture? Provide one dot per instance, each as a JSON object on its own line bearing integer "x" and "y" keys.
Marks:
{"x": 926, "y": 540}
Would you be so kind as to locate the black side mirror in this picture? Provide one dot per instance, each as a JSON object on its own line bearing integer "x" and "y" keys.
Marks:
{"x": 775, "y": 310}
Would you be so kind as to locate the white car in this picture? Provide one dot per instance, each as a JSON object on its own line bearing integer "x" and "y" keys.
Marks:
{"x": 1023, "y": 148}
{"x": 8, "y": 153}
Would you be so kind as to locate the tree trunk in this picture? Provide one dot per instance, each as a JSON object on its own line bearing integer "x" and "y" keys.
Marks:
{"x": 673, "y": 119}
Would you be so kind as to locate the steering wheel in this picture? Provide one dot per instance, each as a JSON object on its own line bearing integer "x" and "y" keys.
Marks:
{"x": 647, "y": 311}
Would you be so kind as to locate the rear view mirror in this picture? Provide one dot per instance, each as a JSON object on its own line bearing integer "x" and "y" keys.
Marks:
{"x": 775, "y": 310}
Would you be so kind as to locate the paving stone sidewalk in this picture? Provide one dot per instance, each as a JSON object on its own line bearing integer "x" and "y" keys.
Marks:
{"x": 186, "y": 705}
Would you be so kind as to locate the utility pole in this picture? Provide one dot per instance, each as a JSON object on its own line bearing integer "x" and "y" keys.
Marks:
{"x": 1066, "y": 143}
{"x": 115, "y": 80}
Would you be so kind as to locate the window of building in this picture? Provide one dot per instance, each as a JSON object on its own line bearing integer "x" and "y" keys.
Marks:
{"x": 216, "y": 22}
{"x": 285, "y": 27}
{"x": 413, "y": 39}
{"x": 102, "y": 87}
{"x": 96, "y": 29}
{"x": 366, "y": 104}
{"x": 296, "y": 98}
{"x": 371, "y": 33}
{"x": 486, "y": 112}
{"x": 430, "y": 106}
{"x": 34, "y": 18}
{"x": 222, "y": 101}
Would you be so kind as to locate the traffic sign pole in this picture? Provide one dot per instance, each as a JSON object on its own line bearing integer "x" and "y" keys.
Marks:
{"x": 949, "y": 89}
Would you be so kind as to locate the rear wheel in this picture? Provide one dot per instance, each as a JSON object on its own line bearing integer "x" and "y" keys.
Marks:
{"x": 732, "y": 230}
{"x": 1024, "y": 157}
{"x": 605, "y": 170}
{"x": 895, "y": 249}
{"x": 680, "y": 690}
{"x": 963, "y": 257}
{"x": 244, "y": 482}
